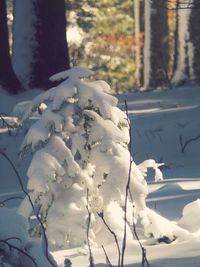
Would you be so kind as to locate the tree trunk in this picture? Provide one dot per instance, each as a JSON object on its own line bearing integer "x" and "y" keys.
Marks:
{"x": 139, "y": 42}
{"x": 185, "y": 55}
{"x": 8, "y": 78}
{"x": 194, "y": 45}
{"x": 156, "y": 52}
{"x": 175, "y": 59}
{"x": 40, "y": 46}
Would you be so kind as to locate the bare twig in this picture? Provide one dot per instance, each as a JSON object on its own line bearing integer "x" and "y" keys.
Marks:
{"x": 19, "y": 250}
{"x": 144, "y": 256}
{"x": 101, "y": 215}
{"x": 185, "y": 143}
{"x": 107, "y": 259}
{"x": 2, "y": 203}
{"x": 13, "y": 238}
{"x": 91, "y": 258}
{"x": 32, "y": 206}
{"x": 127, "y": 190}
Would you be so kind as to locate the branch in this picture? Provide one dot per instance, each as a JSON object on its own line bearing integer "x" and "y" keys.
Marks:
{"x": 91, "y": 259}
{"x": 2, "y": 203}
{"x": 101, "y": 215}
{"x": 127, "y": 189}
{"x": 187, "y": 142}
{"x": 107, "y": 259}
{"x": 19, "y": 250}
{"x": 144, "y": 256}
{"x": 32, "y": 206}
{"x": 128, "y": 192}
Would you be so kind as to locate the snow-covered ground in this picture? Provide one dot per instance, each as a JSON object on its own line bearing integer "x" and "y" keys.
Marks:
{"x": 159, "y": 119}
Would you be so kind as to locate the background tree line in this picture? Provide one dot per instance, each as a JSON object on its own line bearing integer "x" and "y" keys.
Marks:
{"x": 133, "y": 44}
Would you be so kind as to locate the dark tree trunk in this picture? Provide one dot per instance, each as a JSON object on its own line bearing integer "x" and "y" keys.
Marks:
{"x": 185, "y": 43}
{"x": 139, "y": 41}
{"x": 194, "y": 23}
{"x": 175, "y": 59}
{"x": 156, "y": 71}
{"x": 44, "y": 42}
{"x": 8, "y": 78}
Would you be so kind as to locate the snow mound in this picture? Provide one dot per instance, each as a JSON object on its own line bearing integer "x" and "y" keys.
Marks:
{"x": 191, "y": 216}
{"x": 161, "y": 227}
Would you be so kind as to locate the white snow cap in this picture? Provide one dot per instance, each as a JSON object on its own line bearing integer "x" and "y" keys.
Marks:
{"x": 76, "y": 72}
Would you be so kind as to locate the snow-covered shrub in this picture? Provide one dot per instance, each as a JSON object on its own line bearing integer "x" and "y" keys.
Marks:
{"x": 16, "y": 247}
{"x": 80, "y": 144}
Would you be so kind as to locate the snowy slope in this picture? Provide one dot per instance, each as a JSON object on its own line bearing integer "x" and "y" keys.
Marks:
{"x": 158, "y": 120}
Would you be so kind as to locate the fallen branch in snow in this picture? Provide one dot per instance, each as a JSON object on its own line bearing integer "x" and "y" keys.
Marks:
{"x": 127, "y": 190}
{"x": 101, "y": 215}
{"x": 186, "y": 142}
{"x": 91, "y": 258}
{"x": 23, "y": 252}
{"x": 33, "y": 209}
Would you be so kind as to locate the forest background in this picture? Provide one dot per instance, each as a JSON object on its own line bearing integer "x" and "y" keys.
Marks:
{"x": 133, "y": 45}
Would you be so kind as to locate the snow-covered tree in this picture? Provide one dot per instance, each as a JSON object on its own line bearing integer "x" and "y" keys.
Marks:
{"x": 8, "y": 78}
{"x": 39, "y": 47}
{"x": 81, "y": 158}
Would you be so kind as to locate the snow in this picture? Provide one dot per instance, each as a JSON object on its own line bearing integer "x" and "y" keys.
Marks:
{"x": 158, "y": 119}
{"x": 74, "y": 35}
{"x": 191, "y": 219}
{"x": 76, "y": 72}
{"x": 14, "y": 231}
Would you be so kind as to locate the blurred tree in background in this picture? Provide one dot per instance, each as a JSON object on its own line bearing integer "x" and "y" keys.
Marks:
{"x": 8, "y": 78}
{"x": 156, "y": 48}
{"x": 132, "y": 44}
{"x": 107, "y": 43}
{"x": 39, "y": 47}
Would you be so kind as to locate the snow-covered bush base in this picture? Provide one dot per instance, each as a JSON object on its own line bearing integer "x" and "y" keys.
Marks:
{"x": 81, "y": 158}
{"x": 16, "y": 248}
